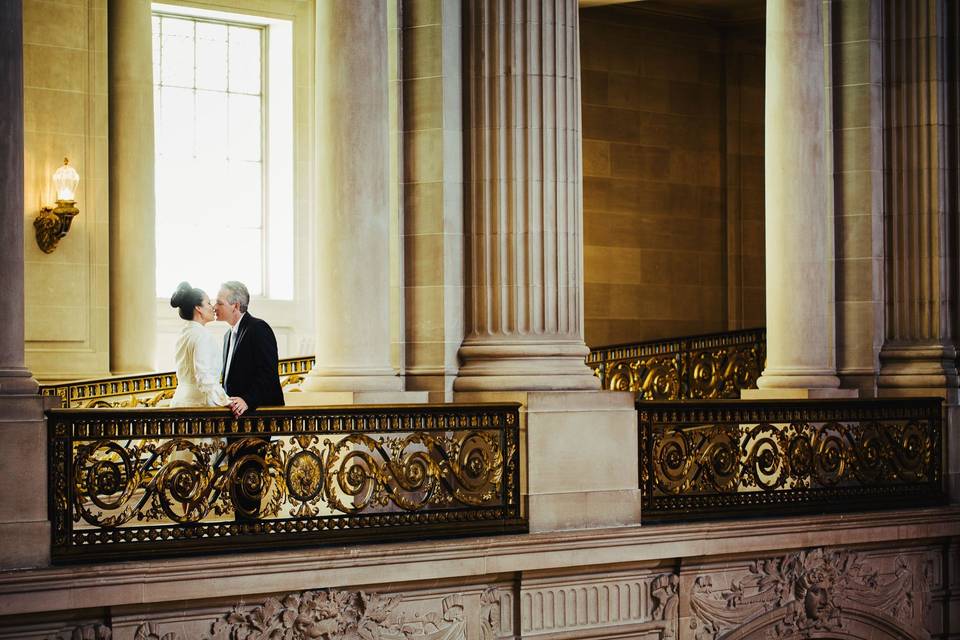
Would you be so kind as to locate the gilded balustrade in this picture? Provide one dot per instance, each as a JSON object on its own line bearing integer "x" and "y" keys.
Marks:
{"x": 703, "y": 459}
{"x": 697, "y": 367}
{"x": 128, "y": 483}
{"x": 151, "y": 389}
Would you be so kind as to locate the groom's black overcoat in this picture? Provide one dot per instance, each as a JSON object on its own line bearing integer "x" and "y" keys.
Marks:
{"x": 253, "y": 370}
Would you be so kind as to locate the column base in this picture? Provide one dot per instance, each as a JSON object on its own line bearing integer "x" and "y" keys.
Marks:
{"x": 918, "y": 370}
{"x": 525, "y": 366}
{"x": 17, "y": 381}
{"x": 580, "y": 449}
{"x": 781, "y": 384}
{"x": 323, "y": 398}
{"x": 797, "y": 394}
{"x": 352, "y": 380}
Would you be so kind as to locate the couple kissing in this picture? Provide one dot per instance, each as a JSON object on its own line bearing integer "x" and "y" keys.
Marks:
{"x": 243, "y": 374}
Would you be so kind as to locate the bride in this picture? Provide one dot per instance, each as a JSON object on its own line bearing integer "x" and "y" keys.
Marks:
{"x": 198, "y": 356}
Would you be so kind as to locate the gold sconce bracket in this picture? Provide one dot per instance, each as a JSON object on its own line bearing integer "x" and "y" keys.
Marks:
{"x": 53, "y": 223}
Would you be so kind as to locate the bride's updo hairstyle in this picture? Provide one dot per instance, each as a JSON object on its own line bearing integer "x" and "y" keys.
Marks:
{"x": 186, "y": 299}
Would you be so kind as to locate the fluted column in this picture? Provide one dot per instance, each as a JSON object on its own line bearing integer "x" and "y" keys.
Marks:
{"x": 24, "y": 528}
{"x": 352, "y": 230}
{"x": 14, "y": 376}
{"x": 133, "y": 286}
{"x": 919, "y": 353}
{"x": 524, "y": 221}
{"x": 801, "y": 352}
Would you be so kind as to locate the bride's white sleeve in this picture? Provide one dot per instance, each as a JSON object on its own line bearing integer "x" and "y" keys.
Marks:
{"x": 207, "y": 365}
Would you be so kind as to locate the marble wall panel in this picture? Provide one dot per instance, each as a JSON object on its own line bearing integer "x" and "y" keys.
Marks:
{"x": 668, "y": 177}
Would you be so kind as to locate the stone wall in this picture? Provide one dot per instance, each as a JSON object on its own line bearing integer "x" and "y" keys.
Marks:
{"x": 65, "y": 115}
{"x": 673, "y": 175}
{"x": 67, "y": 292}
{"x": 900, "y": 590}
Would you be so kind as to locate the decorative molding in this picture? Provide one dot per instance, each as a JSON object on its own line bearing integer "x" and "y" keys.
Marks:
{"x": 601, "y": 602}
{"x": 90, "y": 631}
{"x": 492, "y": 606}
{"x": 810, "y": 590}
{"x": 329, "y": 614}
{"x": 665, "y": 591}
{"x": 150, "y": 631}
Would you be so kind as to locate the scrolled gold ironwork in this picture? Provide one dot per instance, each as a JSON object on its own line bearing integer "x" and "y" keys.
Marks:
{"x": 710, "y": 458}
{"x": 126, "y": 478}
{"x": 698, "y": 367}
{"x": 152, "y": 389}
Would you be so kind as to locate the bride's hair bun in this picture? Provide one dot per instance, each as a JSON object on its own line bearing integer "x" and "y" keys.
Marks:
{"x": 183, "y": 290}
{"x": 186, "y": 298}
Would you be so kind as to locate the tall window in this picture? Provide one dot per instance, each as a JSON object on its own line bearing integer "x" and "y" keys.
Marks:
{"x": 223, "y": 211}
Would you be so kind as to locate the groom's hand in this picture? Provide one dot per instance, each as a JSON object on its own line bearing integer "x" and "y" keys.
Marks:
{"x": 238, "y": 405}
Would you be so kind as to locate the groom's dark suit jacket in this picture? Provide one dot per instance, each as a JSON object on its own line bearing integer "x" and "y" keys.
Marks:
{"x": 253, "y": 370}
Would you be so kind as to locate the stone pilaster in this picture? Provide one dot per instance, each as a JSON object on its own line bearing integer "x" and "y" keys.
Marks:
{"x": 524, "y": 221}
{"x": 133, "y": 287}
{"x": 352, "y": 229}
{"x": 24, "y": 529}
{"x": 801, "y": 358}
{"x": 919, "y": 354}
{"x": 14, "y": 376}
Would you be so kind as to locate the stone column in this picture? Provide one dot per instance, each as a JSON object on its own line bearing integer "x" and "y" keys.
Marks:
{"x": 133, "y": 287}
{"x": 352, "y": 230}
{"x": 24, "y": 529}
{"x": 919, "y": 355}
{"x": 525, "y": 213}
{"x": 801, "y": 352}
{"x": 14, "y": 376}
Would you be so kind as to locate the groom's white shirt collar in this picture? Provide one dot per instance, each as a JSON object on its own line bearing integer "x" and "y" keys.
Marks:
{"x": 236, "y": 327}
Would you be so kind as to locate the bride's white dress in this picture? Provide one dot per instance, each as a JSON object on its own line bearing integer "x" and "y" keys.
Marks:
{"x": 198, "y": 369}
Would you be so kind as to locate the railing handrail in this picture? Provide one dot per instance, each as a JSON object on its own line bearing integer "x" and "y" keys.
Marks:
{"x": 708, "y": 365}
{"x": 162, "y": 383}
{"x": 703, "y": 459}
{"x": 124, "y": 482}
{"x": 595, "y": 352}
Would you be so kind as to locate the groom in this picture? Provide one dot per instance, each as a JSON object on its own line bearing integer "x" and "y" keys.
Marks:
{"x": 250, "y": 375}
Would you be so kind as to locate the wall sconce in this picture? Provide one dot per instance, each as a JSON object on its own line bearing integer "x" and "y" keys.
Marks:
{"x": 54, "y": 223}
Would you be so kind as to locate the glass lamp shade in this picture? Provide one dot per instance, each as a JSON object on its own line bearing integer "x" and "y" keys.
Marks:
{"x": 66, "y": 179}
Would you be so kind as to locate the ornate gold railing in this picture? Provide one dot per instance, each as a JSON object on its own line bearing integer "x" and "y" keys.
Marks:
{"x": 715, "y": 365}
{"x": 150, "y": 389}
{"x": 705, "y": 459}
{"x": 144, "y": 482}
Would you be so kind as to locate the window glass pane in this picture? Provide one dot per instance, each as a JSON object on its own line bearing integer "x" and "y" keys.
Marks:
{"x": 244, "y": 60}
{"x": 211, "y": 56}
{"x": 244, "y": 127}
{"x": 212, "y": 126}
{"x": 176, "y": 54}
{"x": 246, "y": 194}
{"x": 175, "y": 135}
{"x": 156, "y": 48}
{"x": 248, "y": 244}
{"x": 209, "y": 144}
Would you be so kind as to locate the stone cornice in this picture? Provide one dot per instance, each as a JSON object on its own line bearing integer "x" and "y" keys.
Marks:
{"x": 100, "y": 585}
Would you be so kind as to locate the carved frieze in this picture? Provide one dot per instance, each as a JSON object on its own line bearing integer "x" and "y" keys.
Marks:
{"x": 807, "y": 592}
{"x": 330, "y": 614}
{"x": 89, "y": 631}
{"x": 559, "y": 606}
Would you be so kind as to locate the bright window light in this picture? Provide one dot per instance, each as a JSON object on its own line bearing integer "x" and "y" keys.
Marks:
{"x": 223, "y": 165}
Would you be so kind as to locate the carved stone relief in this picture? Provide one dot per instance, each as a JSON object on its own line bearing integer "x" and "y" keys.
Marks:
{"x": 809, "y": 591}
{"x": 329, "y": 614}
{"x": 567, "y": 604}
{"x": 90, "y": 631}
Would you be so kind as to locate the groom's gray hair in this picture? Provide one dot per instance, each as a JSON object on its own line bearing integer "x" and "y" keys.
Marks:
{"x": 238, "y": 294}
